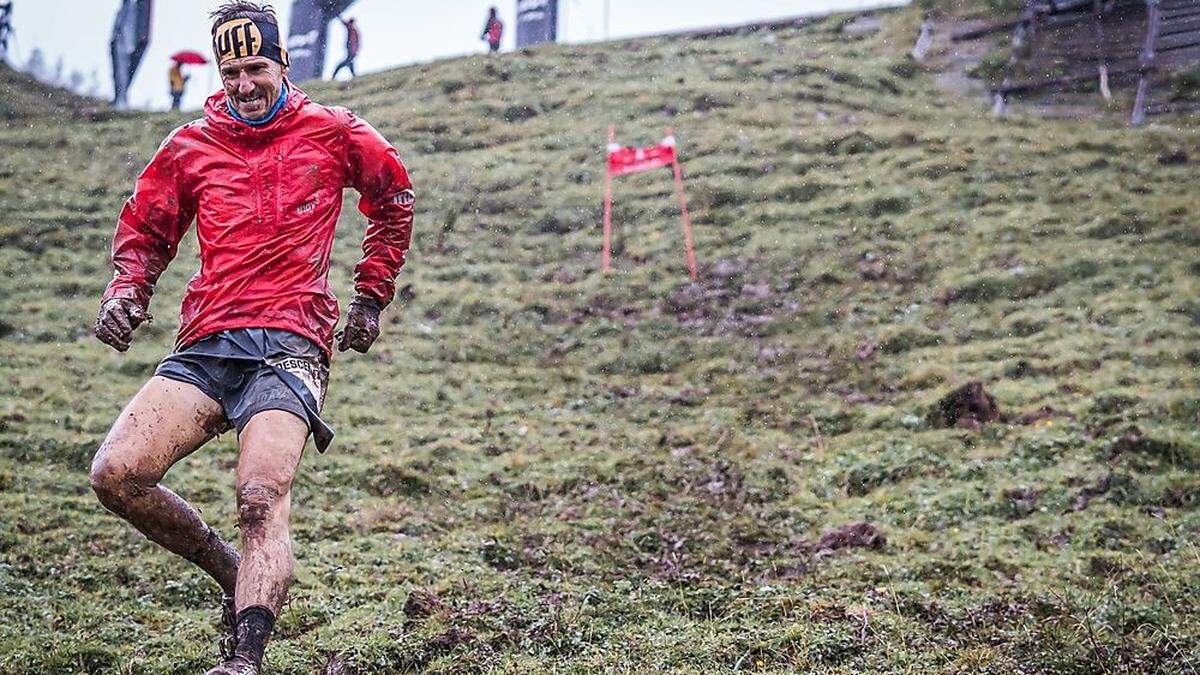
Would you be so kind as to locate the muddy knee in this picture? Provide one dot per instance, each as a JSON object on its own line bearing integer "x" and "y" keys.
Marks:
{"x": 256, "y": 502}
{"x": 117, "y": 484}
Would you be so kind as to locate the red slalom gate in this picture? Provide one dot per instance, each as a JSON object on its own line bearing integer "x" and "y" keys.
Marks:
{"x": 623, "y": 160}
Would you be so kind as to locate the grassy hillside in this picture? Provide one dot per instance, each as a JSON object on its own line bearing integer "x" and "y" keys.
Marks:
{"x": 23, "y": 98}
{"x": 543, "y": 469}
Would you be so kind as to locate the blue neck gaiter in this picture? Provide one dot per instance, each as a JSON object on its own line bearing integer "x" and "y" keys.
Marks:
{"x": 283, "y": 92}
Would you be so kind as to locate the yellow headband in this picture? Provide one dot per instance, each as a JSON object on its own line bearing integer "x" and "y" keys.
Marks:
{"x": 238, "y": 38}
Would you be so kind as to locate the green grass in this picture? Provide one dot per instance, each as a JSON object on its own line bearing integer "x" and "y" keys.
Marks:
{"x": 542, "y": 469}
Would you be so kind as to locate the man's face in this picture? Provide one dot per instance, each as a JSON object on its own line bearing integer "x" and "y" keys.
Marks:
{"x": 252, "y": 84}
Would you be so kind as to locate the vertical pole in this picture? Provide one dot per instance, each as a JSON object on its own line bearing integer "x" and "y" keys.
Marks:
{"x": 1101, "y": 51}
{"x": 606, "y": 256}
{"x": 1146, "y": 63}
{"x": 689, "y": 245}
{"x": 1138, "y": 117}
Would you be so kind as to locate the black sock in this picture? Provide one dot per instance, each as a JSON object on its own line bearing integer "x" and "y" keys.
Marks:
{"x": 254, "y": 625}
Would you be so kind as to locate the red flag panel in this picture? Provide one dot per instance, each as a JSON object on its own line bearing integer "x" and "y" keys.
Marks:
{"x": 631, "y": 160}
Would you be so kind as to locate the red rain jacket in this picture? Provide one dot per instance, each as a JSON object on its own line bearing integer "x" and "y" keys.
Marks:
{"x": 353, "y": 39}
{"x": 265, "y": 200}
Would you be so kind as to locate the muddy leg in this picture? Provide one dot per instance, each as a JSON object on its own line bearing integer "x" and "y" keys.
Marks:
{"x": 271, "y": 446}
{"x": 165, "y": 422}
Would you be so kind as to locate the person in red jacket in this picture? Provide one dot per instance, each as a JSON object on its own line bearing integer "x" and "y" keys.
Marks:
{"x": 353, "y": 42}
{"x": 493, "y": 30}
{"x": 262, "y": 175}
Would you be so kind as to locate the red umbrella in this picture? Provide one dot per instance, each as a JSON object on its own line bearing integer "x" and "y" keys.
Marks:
{"x": 188, "y": 56}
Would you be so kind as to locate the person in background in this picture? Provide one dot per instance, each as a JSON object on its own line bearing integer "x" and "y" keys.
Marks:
{"x": 353, "y": 42}
{"x": 178, "y": 82}
{"x": 493, "y": 29}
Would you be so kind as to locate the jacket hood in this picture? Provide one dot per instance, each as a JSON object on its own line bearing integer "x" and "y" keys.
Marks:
{"x": 216, "y": 112}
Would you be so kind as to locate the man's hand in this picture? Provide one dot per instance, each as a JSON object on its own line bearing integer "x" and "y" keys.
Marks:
{"x": 362, "y": 325}
{"x": 118, "y": 317}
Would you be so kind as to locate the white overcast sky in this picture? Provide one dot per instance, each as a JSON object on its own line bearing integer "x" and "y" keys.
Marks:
{"x": 394, "y": 32}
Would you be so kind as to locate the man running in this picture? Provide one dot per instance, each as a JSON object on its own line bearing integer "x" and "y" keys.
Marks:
{"x": 262, "y": 174}
{"x": 353, "y": 42}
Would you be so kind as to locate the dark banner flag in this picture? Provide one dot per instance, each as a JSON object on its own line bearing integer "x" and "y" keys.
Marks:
{"x": 308, "y": 34}
{"x": 537, "y": 22}
{"x": 131, "y": 34}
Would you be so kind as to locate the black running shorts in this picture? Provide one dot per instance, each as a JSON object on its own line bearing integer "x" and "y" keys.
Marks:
{"x": 249, "y": 370}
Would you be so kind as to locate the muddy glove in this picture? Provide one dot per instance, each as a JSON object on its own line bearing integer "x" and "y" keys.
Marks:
{"x": 118, "y": 317}
{"x": 362, "y": 325}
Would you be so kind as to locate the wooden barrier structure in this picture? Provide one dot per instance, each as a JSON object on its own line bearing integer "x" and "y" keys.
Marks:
{"x": 1146, "y": 61}
{"x": 1059, "y": 44}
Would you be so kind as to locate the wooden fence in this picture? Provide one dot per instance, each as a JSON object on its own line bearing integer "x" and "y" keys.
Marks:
{"x": 1071, "y": 43}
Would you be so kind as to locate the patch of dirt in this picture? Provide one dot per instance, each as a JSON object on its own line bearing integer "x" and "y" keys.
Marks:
{"x": 882, "y": 270}
{"x": 1023, "y": 500}
{"x": 853, "y": 535}
{"x": 994, "y": 614}
{"x": 453, "y": 637}
{"x": 606, "y": 307}
{"x": 668, "y": 564}
{"x": 1172, "y": 157}
{"x": 866, "y": 350}
{"x": 732, "y": 297}
{"x": 422, "y": 604}
{"x": 560, "y": 275}
{"x": 690, "y": 397}
{"x": 724, "y": 481}
{"x": 968, "y": 407}
{"x": 729, "y": 299}
{"x": 1101, "y": 486}
{"x": 1040, "y": 415}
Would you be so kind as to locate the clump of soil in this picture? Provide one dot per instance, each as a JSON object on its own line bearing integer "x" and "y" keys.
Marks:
{"x": 968, "y": 407}
{"x": 422, "y": 604}
{"x": 453, "y": 637}
{"x": 1022, "y": 501}
{"x": 1100, "y": 487}
{"x": 854, "y": 535}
